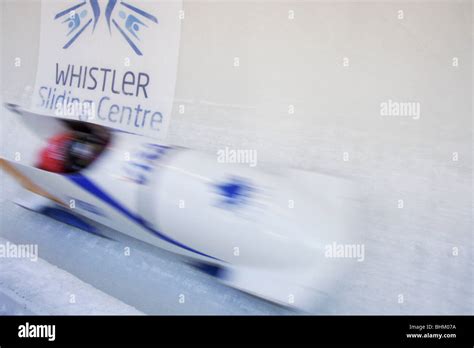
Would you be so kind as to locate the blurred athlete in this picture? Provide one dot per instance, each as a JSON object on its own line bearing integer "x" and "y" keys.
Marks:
{"x": 70, "y": 152}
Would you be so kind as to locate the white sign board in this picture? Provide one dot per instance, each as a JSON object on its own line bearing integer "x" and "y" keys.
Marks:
{"x": 109, "y": 62}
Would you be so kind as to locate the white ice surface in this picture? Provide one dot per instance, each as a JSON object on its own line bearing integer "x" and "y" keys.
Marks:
{"x": 34, "y": 286}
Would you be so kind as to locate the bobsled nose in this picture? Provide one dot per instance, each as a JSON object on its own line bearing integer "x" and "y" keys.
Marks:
{"x": 311, "y": 213}
{"x": 316, "y": 209}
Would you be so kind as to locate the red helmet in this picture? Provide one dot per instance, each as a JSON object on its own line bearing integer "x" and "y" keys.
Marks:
{"x": 53, "y": 157}
{"x": 70, "y": 152}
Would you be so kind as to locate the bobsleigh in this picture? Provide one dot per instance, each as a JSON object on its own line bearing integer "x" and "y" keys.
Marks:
{"x": 264, "y": 232}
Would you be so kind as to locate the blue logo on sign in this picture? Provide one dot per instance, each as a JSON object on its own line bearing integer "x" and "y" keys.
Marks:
{"x": 127, "y": 19}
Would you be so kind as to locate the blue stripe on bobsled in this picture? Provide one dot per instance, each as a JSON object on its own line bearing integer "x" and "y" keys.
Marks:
{"x": 92, "y": 188}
